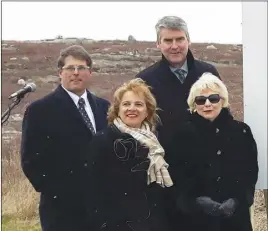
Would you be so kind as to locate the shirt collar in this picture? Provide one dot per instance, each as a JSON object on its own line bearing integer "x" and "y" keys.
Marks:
{"x": 75, "y": 97}
{"x": 183, "y": 67}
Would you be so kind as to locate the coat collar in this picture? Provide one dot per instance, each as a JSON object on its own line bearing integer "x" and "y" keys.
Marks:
{"x": 223, "y": 118}
{"x": 166, "y": 76}
{"x": 128, "y": 141}
{"x": 115, "y": 133}
{"x": 189, "y": 57}
{"x": 68, "y": 104}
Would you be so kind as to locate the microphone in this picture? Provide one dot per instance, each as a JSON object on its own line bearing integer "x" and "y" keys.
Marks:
{"x": 30, "y": 87}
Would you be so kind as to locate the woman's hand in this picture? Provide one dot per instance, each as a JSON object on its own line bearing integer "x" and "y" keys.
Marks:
{"x": 228, "y": 207}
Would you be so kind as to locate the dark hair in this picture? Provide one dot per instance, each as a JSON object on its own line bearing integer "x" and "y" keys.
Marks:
{"x": 76, "y": 51}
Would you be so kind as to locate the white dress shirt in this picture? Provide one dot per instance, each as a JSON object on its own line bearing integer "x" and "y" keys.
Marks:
{"x": 88, "y": 108}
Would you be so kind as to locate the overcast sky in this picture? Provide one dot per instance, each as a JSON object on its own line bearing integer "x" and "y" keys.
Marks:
{"x": 219, "y": 22}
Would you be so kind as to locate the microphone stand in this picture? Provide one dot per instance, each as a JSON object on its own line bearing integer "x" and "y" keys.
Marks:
{"x": 6, "y": 114}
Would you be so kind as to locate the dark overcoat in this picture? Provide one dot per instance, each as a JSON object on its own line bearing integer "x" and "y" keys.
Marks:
{"x": 54, "y": 142}
{"x": 118, "y": 196}
{"x": 170, "y": 94}
{"x": 171, "y": 97}
{"x": 216, "y": 159}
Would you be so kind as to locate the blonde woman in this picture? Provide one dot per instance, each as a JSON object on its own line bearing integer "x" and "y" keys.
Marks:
{"x": 217, "y": 169}
{"x": 125, "y": 161}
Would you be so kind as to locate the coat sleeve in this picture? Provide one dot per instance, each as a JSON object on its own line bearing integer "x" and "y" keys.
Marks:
{"x": 249, "y": 176}
{"x": 41, "y": 161}
{"x": 33, "y": 150}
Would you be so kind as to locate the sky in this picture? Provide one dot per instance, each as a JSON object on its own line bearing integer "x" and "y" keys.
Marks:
{"x": 218, "y": 22}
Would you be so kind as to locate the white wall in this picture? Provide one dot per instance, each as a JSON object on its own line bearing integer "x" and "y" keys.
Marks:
{"x": 254, "y": 29}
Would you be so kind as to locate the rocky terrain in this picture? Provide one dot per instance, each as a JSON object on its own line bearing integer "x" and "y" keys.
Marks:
{"x": 114, "y": 63}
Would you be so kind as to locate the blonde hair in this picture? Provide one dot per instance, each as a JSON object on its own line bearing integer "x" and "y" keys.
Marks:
{"x": 207, "y": 81}
{"x": 139, "y": 87}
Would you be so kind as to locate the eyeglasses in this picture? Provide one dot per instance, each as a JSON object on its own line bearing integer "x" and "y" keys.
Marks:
{"x": 80, "y": 68}
{"x": 201, "y": 100}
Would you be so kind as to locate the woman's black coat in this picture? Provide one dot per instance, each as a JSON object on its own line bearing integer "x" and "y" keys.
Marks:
{"x": 216, "y": 159}
{"x": 118, "y": 197}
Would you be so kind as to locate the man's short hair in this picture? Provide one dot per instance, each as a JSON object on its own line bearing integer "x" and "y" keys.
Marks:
{"x": 171, "y": 22}
{"x": 76, "y": 51}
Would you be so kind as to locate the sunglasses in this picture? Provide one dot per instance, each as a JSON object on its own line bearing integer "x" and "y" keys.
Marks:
{"x": 201, "y": 100}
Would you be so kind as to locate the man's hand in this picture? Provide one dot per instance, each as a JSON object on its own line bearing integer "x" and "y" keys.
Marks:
{"x": 228, "y": 207}
{"x": 208, "y": 206}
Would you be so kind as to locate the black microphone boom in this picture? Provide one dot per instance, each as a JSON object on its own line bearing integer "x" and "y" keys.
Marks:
{"x": 30, "y": 87}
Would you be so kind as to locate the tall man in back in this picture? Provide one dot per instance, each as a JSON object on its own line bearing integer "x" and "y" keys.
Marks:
{"x": 172, "y": 77}
{"x": 56, "y": 130}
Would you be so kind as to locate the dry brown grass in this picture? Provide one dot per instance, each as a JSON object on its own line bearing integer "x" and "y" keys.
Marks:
{"x": 19, "y": 199}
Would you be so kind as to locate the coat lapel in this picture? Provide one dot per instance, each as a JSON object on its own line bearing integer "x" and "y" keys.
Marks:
{"x": 69, "y": 106}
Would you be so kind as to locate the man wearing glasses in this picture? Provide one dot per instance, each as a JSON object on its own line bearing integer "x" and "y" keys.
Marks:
{"x": 56, "y": 130}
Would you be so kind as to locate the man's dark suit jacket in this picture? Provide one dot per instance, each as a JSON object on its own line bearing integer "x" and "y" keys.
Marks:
{"x": 54, "y": 143}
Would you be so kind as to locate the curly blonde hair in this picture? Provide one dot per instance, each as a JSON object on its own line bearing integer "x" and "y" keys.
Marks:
{"x": 139, "y": 87}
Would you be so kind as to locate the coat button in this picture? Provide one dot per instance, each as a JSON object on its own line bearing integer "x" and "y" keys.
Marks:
{"x": 217, "y": 130}
{"x": 218, "y": 179}
{"x": 219, "y": 152}
{"x": 55, "y": 197}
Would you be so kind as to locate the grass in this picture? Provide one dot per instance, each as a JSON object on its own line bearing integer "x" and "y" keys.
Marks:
{"x": 19, "y": 199}
{"x": 11, "y": 224}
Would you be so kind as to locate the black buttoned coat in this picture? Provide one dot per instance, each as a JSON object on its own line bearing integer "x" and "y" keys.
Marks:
{"x": 54, "y": 142}
{"x": 216, "y": 159}
{"x": 118, "y": 197}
